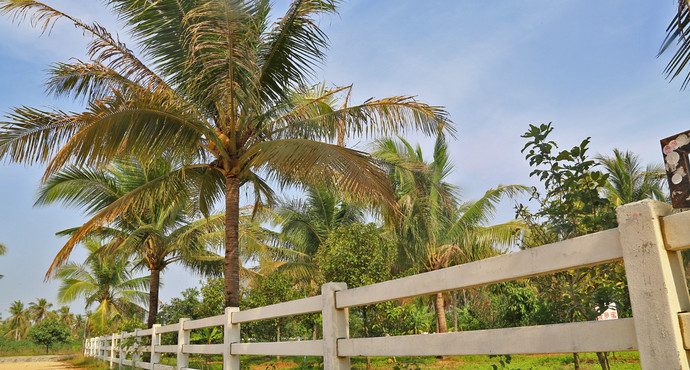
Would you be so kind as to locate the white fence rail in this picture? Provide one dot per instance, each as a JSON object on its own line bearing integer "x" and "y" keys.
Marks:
{"x": 648, "y": 240}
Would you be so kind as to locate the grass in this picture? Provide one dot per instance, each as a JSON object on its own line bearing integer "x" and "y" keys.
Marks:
{"x": 27, "y": 348}
{"x": 620, "y": 360}
{"x": 88, "y": 363}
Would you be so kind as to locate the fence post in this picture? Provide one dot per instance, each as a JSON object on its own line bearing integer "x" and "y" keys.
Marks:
{"x": 231, "y": 334}
{"x": 121, "y": 351}
{"x": 182, "y": 339}
{"x": 135, "y": 355}
{"x": 155, "y": 341}
{"x": 112, "y": 349}
{"x": 656, "y": 284}
{"x": 335, "y": 326}
{"x": 101, "y": 347}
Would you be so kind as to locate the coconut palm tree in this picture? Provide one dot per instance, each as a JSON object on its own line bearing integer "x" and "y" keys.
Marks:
{"x": 629, "y": 181}
{"x": 224, "y": 84}
{"x": 160, "y": 233}
{"x": 65, "y": 317}
{"x": 105, "y": 280}
{"x": 19, "y": 322}
{"x": 432, "y": 227}
{"x": 3, "y": 250}
{"x": 40, "y": 310}
{"x": 306, "y": 224}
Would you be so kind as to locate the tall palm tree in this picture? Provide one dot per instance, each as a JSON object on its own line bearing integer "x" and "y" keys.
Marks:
{"x": 105, "y": 280}
{"x": 629, "y": 181}
{"x": 3, "y": 250}
{"x": 40, "y": 310}
{"x": 433, "y": 228}
{"x": 159, "y": 233}
{"x": 19, "y": 322}
{"x": 224, "y": 84}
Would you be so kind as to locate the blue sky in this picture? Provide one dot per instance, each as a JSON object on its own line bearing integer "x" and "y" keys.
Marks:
{"x": 588, "y": 67}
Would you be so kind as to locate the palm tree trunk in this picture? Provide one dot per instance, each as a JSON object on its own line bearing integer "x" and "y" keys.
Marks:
{"x": 153, "y": 297}
{"x": 232, "y": 243}
{"x": 440, "y": 314}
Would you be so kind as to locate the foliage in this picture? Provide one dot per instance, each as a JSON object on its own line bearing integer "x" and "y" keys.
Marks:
{"x": 105, "y": 280}
{"x": 160, "y": 232}
{"x": 49, "y": 332}
{"x": 628, "y": 181}
{"x": 225, "y": 88}
{"x": 274, "y": 288}
{"x": 432, "y": 228}
{"x": 573, "y": 204}
{"x": 19, "y": 322}
{"x": 356, "y": 255}
{"x": 306, "y": 224}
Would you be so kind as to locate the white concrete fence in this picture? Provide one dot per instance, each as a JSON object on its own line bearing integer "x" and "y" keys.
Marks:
{"x": 648, "y": 240}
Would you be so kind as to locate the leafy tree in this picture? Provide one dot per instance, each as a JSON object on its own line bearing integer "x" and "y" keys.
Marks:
{"x": 19, "y": 322}
{"x": 357, "y": 255}
{"x": 573, "y": 205}
{"x": 160, "y": 232}
{"x": 432, "y": 227}
{"x": 273, "y": 288}
{"x": 105, "y": 280}
{"x": 49, "y": 332}
{"x": 628, "y": 181}
{"x": 225, "y": 87}
{"x": 178, "y": 308}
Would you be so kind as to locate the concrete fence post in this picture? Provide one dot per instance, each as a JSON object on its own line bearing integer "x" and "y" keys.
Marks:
{"x": 335, "y": 326}
{"x": 112, "y": 349}
{"x": 231, "y": 334}
{"x": 121, "y": 351}
{"x": 182, "y": 339}
{"x": 155, "y": 341}
{"x": 136, "y": 355}
{"x": 658, "y": 292}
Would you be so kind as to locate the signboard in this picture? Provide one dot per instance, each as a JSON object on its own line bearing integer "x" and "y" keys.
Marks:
{"x": 676, "y": 149}
{"x": 611, "y": 313}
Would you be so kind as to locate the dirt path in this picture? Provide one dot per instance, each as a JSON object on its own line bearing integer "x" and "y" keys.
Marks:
{"x": 35, "y": 362}
{"x": 36, "y": 365}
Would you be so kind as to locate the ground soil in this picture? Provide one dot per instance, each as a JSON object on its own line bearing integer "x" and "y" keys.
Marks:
{"x": 36, "y": 365}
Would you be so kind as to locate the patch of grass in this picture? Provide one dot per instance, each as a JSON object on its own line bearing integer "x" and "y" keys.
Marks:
{"x": 10, "y": 348}
{"x": 619, "y": 360}
{"x": 88, "y": 363}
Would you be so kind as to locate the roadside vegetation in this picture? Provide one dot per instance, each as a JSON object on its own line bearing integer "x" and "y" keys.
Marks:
{"x": 160, "y": 154}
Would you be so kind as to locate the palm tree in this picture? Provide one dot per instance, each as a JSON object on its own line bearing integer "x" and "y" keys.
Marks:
{"x": 225, "y": 85}
{"x": 678, "y": 31}
{"x": 103, "y": 279}
{"x": 628, "y": 181}
{"x": 66, "y": 317}
{"x": 306, "y": 224}
{"x": 433, "y": 228}
{"x": 159, "y": 232}
{"x": 19, "y": 321}
{"x": 3, "y": 250}
{"x": 40, "y": 310}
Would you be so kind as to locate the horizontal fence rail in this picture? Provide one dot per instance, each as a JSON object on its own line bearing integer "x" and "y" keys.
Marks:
{"x": 648, "y": 241}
